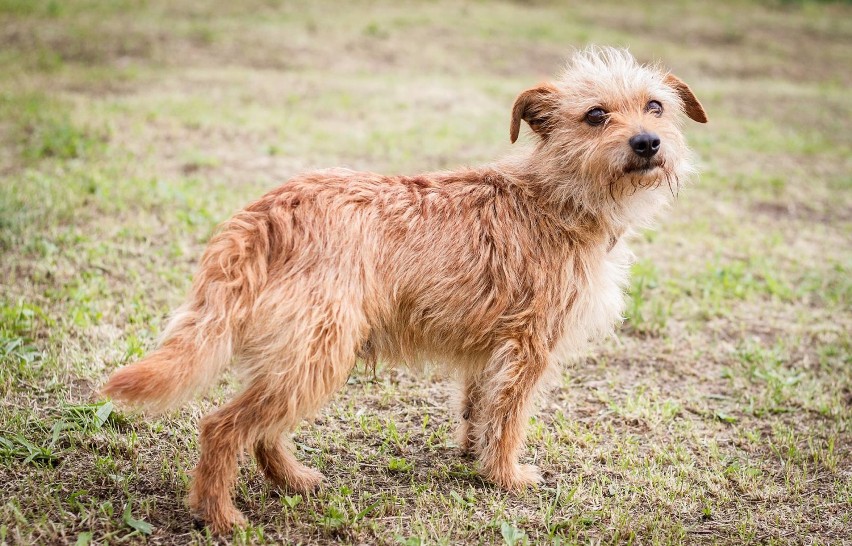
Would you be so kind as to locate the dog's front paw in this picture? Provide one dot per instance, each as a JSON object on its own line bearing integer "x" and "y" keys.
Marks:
{"x": 516, "y": 477}
{"x": 531, "y": 474}
{"x": 466, "y": 439}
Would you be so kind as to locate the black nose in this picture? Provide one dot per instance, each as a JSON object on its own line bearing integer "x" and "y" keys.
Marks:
{"x": 645, "y": 144}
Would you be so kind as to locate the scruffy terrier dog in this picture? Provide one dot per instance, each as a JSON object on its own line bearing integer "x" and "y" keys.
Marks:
{"x": 497, "y": 272}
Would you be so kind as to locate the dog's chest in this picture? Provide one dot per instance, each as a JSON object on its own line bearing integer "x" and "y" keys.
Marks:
{"x": 599, "y": 283}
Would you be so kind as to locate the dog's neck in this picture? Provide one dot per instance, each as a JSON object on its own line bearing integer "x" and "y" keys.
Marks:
{"x": 588, "y": 208}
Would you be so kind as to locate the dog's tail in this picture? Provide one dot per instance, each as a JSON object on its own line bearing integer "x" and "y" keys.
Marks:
{"x": 183, "y": 363}
{"x": 199, "y": 340}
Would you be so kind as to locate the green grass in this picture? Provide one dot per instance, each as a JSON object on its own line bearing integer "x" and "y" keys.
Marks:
{"x": 719, "y": 414}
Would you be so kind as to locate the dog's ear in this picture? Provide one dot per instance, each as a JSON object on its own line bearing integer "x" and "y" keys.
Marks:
{"x": 691, "y": 105}
{"x": 535, "y": 106}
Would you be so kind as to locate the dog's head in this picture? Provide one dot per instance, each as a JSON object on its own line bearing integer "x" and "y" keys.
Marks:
{"x": 611, "y": 122}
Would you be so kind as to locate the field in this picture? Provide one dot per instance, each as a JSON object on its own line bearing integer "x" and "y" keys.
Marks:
{"x": 721, "y": 413}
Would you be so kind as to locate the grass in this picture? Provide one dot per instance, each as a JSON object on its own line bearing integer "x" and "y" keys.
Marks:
{"x": 719, "y": 414}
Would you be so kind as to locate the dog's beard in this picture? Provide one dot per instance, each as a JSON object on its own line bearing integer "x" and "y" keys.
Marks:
{"x": 643, "y": 174}
{"x": 644, "y": 166}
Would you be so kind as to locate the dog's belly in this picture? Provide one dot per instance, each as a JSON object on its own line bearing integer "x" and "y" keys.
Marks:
{"x": 599, "y": 304}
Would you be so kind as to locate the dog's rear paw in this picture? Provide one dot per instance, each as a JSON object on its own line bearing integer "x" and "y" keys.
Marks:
{"x": 221, "y": 519}
{"x": 224, "y": 524}
{"x": 305, "y": 480}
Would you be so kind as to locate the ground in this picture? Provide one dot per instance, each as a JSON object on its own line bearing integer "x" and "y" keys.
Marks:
{"x": 719, "y": 413}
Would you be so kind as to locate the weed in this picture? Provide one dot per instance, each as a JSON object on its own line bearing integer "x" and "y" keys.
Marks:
{"x": 16, "y": 446}
{"x": 511, "y": 534}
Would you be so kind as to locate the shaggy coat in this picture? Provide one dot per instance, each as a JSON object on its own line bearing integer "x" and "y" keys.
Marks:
{"x": 496, "y": 272}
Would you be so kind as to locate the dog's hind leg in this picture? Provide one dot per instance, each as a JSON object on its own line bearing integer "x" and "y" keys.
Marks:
{"x": 513, "y": 376}
{"x": 310, "y": 365}
{"x": 225, "y": 433}
{"x": 278, "y": 397}
{"x": 255, "y": 418}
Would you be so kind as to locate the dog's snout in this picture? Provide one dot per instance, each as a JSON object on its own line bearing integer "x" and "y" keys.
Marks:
{"x": 645, "y": 144}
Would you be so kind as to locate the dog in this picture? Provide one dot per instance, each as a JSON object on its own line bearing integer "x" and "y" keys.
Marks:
{"x": 498, "y": 272}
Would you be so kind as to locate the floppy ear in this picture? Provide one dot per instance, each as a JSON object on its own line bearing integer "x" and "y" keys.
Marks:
{"x": 691, "y": 105}
{"x": 535, "y": 106}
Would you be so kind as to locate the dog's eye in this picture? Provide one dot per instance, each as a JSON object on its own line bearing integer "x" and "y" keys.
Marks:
{"x": 596, "y": 116}
{"x": 655, "y": 108}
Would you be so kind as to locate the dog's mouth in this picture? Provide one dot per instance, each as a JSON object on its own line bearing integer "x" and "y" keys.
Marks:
{"x": 643, "y": 167}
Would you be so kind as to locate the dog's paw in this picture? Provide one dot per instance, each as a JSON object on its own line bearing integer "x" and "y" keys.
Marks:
{"x": 305, "y": 480}
{"x": 517, "y": 477}
{"x": 221, "y": 520}
{"x": 223, "y": 524}
{"x": 466, "y": 440}
{"x": 530, "y": 474}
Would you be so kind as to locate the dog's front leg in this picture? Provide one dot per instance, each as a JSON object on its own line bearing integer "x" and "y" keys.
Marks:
{"x": 512, "y": 377}
{"x": 471, "y": 413}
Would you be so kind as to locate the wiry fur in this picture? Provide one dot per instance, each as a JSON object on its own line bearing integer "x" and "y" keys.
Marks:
{"x": 491, "y": 271}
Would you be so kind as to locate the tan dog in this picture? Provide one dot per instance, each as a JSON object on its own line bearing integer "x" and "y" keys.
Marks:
{"x": 496, "y": 272}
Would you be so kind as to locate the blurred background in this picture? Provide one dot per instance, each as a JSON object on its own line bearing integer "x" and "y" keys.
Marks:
{"x": 130, "y": 129}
